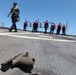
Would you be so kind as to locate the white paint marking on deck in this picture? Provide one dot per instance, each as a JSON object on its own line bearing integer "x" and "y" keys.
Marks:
{"x": 36, "y": 38}
{"x": 70, "y": 37}
{"x": 45, "y": 36}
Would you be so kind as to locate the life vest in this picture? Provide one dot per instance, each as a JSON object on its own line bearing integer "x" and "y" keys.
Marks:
{"x": 64, "y": 27}
{"x": 53, "y": 26}
{"x": 59, "y": 26}
{"x": 36, "y": 24}
{"x": 46, "y": 24}
{"x": 25, "y": 24}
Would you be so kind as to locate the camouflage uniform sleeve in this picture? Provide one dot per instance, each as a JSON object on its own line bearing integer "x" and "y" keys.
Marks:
{"x": 10, "y": 12}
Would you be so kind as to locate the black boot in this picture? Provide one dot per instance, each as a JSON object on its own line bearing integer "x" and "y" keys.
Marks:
{"x": 10, "y": 30}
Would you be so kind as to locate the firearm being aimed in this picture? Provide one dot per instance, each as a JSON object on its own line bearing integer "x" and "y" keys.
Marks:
{"x": 21, "y": 61}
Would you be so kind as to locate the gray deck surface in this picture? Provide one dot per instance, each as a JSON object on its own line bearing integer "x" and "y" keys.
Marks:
{"x": 54, "y": 54}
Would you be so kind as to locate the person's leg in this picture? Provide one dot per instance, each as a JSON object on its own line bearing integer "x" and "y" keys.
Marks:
{"x": 50, "y": 30}
{"x": 45, "y": 30}
{"x": 57, "y": 31}
{"x": 63, "y": 32}
{"x": 36, "y": 29}
{"x": 25, "y": 28}
{"x": 15, "y": 27}
{"x": 12, "y": 25}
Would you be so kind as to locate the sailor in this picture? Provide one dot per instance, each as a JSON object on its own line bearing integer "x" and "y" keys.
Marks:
{"x": 46, "y": 26}
{"x": 15, "y": 11}
{"x": 52, "y": 28}
{"x": 25, "y": 25}
{"x": 63, "y": 30}
{"x": 58, "y": 28}
{"x": 35, "y": 26}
